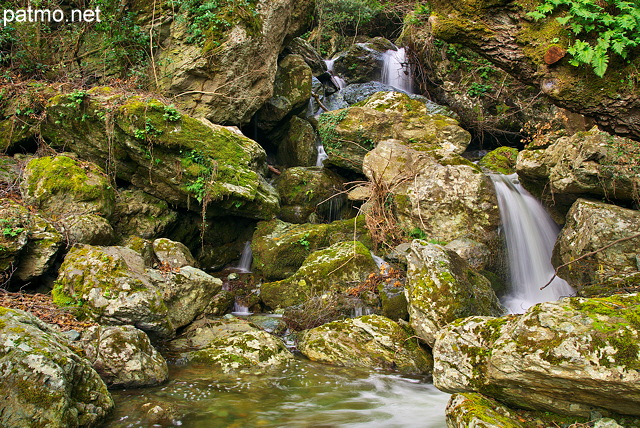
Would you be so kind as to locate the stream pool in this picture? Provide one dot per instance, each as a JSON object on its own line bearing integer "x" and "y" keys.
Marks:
{"x": 305, "y": 394}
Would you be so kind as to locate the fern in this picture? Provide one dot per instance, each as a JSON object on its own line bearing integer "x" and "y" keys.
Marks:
{"x": 612, "y": 26}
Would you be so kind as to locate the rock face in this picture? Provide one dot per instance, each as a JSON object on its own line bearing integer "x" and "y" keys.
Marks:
{"x": 336, "y": 268}
{"x": 114, "y": 287}
{"x": 348, "y": 134}
{"x": 502, "y": 32}
{"x": 568, "y": 357}
{"x": 231, "y": 345}
{"x": 169, "y": 155}
{"x": 280, "y": 248}
{"x": 368, "y": 341}
{"x": 43, "y": 382}
{"x": 291, "y": 92}
{"x": 123, "y": 356}
{"x": 441, "y": 288}
{"x": 138, "y": 213}
{"x": 590, "y": 226}
{"x": 444, "y": 195}
{"x": 475, "y": 410}
{"x": 228, "y": 75}
{"x": 89, "y": 229}
{"x": 295, "y": 142}
{"x": 307, "y": 191}
{"x": 591, "y": 163}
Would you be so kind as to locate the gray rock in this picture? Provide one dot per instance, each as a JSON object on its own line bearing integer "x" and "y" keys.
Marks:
{"x": 441, "y": 288}
{"x": 296, "y": 143}
{"x": 569, "y": 357}
{"x": 88, "y": 229}
{"x": 476, "y": 255}
{"x": 124, "y": 356}
{"x": 141, "y": 214}
{"x": 172, "y": 254}
{"x": 313, "y": 59}
{"x": 371, "y": 341}
{"x": 475, "y": 410}
{"x": 43, "y": 382}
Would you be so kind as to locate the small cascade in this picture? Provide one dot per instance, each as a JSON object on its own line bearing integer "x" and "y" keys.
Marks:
{"x": 530, "y": 235}
{"x": 338, "y": 82}
{"x": 396, "y": 70}
{"x": 322, "y": 154}
{"x": 244, "y": 266}
{"x": 239, "y": 308}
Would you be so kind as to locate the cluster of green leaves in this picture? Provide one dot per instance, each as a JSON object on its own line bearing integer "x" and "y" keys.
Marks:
{"x": 197, "y": 162}
{"x": 304, "y": 241}
{"x": 209, "y": 20}
{"x": 599, "y": 28}
{"x": 327, "y": 127}
{"x": 9, "y": 230}
{"x": 148, "y": 132}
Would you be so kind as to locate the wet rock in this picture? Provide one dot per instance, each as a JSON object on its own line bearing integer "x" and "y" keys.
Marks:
{"x": 590, "y": 226}
{"x": 501, "y": 160}
{"x": 231, "y": 345}
{"x": 124, "y": 357}
{"x": 441, "y": 287}
{"x": 43, "y": 382}
{"x": 570, "y": 357}
{"x": 369, "y": 341}
{"x": 336, "y": 268}
{"x": 295, "y": 142}
{"x": 362, "y": 62}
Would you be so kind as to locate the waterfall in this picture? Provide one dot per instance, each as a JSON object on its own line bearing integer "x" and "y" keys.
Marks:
{"x": 240, "y": 309}
{"x": 244, "y": 266}
{"x": 530, "y": 235}
{"x": 322, "y": 155}
{"x": 396, "y": 70}
{"x": 337, "y": 80}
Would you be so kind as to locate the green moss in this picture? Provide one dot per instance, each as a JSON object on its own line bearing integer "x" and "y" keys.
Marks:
{"x": 501, "y": 160}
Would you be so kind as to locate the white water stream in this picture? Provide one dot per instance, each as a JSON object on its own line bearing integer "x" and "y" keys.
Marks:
{"x": 244, "y": 265}
{"x": 396, "y": 70}
{"x": 530, "y": 235}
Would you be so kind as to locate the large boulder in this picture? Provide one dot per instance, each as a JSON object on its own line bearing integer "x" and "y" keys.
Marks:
{"x": 502, "y": 32}
{"x": 442, "y": 194}
{"x": 590, "y": 227}
{"x": 307, "y": 191}
{"x": 231, "y": 345}
{"x": 141, "y": 214}
{"x": 291, "y": 92}
{"x": 348, "y": 134}
{"x": 441, "y": 287}
{"x": 114, "y": 287}
{"x": 332, "y": 269}
{"x": 369, "y": 341}
{"x": 571, "y": 357}
{"x": 280, "y": 248}
{"x": 591, "y": 163}
{"x": 89, "y": 229}
{"x": 60, "y": 185}
{"x": 172, "y": 156}
{"x": 124, "y": 356}
{"x": 224, "y": 68}
{"x": 295, "y": 143}
{"x": 44, "y": 382}
{"x": 362, "y": 62}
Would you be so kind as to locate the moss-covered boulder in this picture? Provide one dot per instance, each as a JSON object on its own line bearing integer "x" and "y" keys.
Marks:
{"x": 362, "y": 62}
{"x": 123, "y": 356}
{"x": 348, "y": 134}
{"x": 291, "y": 92}
{"x": 179, "y": 159}
{"x": 332, "y": 269}
{"x": 302, "y": 47}
{"x": 280, "y": 248}
{"x": 441, "y": 194}
{"x": 295, "y": 143}
{"x": 501, "y": 160}
{"x": 114, "y": 287}
{"x": 570, "y": 357}
{"x": 44, "y": 382}
{"x": 88, "y": 229}
{"x": 28, "y": 243}
{"x": 61, "y": 185}
{"x": 307, "y": 191}
{"x": 141, "y": 214}
{"x": 471, "y": 409}
{"x": 441, "y": 287}
{"x": 590, "y": 226}
{"x": 369, "y": 341}
{"x": 476, "y": 255}
{"x": 231, "y": 345}
{"x": 172, "y": 254}
{"x": 592, "y": 163}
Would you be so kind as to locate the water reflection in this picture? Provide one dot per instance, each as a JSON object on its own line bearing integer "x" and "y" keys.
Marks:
{"x": 303, "y": 395}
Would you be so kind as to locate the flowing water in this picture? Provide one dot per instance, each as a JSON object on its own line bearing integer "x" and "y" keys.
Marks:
{"x": 396, "y": 70}
{"x": 338, "y": 81}
{"x": 305, "y": 394}
{"x": 244, "y": 265}
{"x": 530, "y": 234}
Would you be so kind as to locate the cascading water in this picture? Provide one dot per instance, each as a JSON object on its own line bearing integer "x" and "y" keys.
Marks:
{"x": 244, "y": 266}
{"x": 322, "y": 154}
{"x": 530, "y": 235}
{"x": 337, "y": 80}
{"x": 396, "y": 70}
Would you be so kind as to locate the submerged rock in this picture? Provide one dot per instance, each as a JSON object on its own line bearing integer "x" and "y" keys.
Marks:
{"x": 441, "y": 287}
{"x": 124, "y": 356}
{"x": 43, "y": 382}
{"x": 231, "y": 345}
{"x": 369, "y": 341}
{"x": 589, "y": 227}
{"x": 570, "y": 357}
{"x": 333, "y": 269}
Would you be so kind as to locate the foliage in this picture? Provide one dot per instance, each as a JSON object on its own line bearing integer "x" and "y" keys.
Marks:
{"x": 612, "y": 25}
{"x": 327, "y": 123}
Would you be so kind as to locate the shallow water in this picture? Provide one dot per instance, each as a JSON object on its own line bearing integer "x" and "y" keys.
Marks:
{"x": 305, "y": 394}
